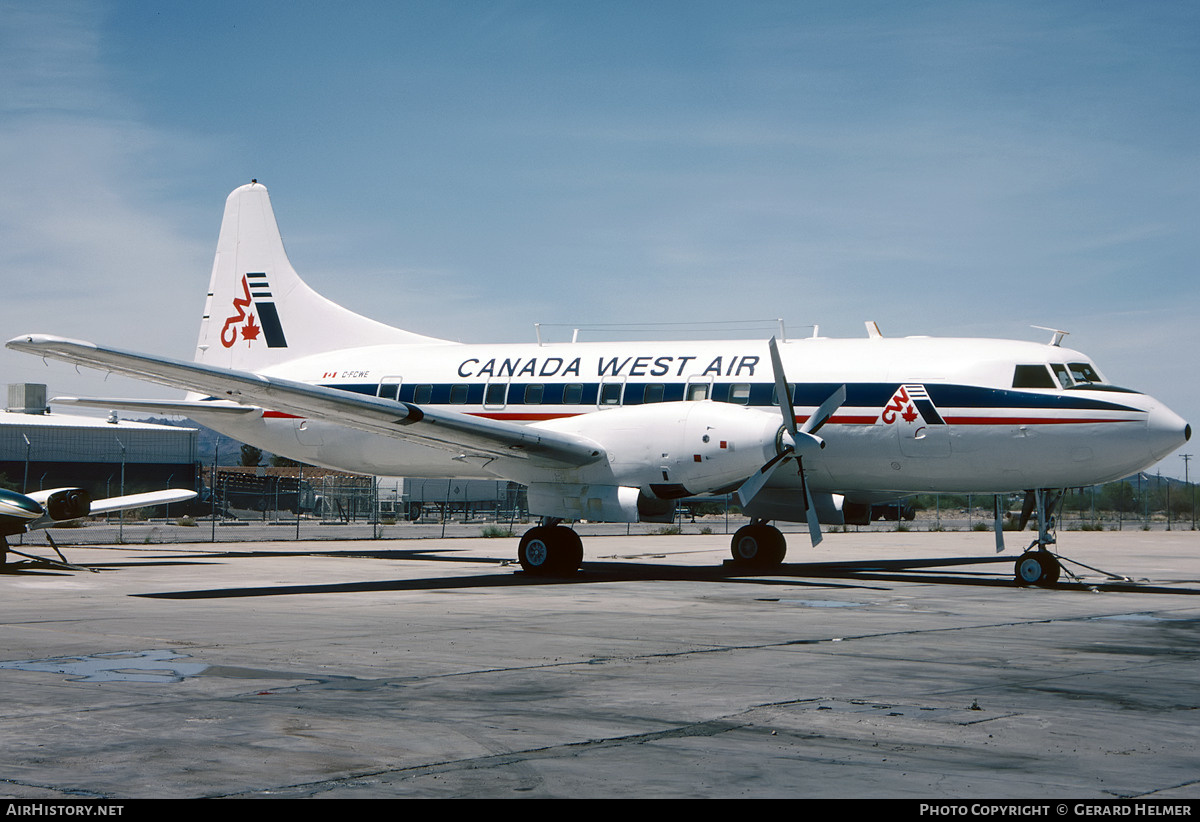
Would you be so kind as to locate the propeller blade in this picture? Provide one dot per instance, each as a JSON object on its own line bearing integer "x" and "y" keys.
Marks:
{"x": 755, "y": 482}
{"x": 782, "y": 390}
{"x": 814, "y": 523}
{"x": 828, "y": 408}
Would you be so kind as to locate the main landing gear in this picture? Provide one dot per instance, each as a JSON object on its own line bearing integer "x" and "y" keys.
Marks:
{"x": 550, "y": 549}
{"x": 758, "y": 545}
{"x": 1037, "y": 566}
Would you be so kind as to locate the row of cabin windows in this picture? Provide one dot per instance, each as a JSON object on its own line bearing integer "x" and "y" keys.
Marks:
{"x": 609, "y": 393}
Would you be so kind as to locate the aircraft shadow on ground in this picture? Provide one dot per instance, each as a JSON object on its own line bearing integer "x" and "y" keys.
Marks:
{"x": 866, "y": 574}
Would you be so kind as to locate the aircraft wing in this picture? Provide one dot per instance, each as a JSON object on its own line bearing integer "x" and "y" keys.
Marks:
{"x": 460, "y": 433}
{"x": 104, "y": 506}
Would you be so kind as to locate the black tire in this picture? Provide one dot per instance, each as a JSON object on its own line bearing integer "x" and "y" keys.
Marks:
{"x": 550, "y": 550}
{"x": 1037, "y": 568}
{"x": 758, "y": 546}
{"x": 572, "y": 551}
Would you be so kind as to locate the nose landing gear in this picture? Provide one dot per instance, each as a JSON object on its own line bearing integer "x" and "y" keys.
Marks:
{"x": 1037, "y": 566}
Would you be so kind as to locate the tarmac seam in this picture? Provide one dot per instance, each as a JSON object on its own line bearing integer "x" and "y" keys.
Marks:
{"x": 768, "y": 645}
{"x": 68, "y": 792}
{"x": 707, "y": 728}
{"x": 1176, "y": 787}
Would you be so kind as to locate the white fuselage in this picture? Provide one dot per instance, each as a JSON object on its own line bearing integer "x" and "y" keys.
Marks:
{"x": 921, "y": 414}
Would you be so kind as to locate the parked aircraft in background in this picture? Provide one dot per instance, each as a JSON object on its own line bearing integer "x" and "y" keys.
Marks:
{"x": 812, "y": 430}
{"x": 20, "y": 513}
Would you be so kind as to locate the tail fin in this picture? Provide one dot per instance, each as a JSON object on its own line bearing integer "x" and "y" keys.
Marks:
{"x": 259, "y": 312}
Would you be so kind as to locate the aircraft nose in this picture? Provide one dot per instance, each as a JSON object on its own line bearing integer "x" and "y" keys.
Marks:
{"x": 1167, "y": 431}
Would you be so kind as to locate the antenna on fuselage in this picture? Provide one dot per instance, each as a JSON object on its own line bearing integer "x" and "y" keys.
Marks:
{"x": 1058, "y": 335}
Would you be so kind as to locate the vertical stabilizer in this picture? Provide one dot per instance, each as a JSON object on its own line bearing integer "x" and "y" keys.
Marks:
{"x": 259, "y": 312}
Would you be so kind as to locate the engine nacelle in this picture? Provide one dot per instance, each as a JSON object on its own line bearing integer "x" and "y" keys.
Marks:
{"x": 66, "y": 503}
{"x": 599, "y": 503}
{"x": 675, "y": 449}
{"x": 789, "y": 506}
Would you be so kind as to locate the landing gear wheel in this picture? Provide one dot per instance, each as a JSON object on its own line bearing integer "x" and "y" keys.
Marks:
{"x": 758, "y": 546}
{"x": 1037, "y": 568}
{"x": 550, "y": 549}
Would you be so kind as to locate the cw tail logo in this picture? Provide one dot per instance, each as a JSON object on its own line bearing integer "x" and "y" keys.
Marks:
{"x": 242, "y": 324}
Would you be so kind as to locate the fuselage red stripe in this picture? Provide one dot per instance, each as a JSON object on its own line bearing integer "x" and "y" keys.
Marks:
{"x": 845, "y": 419}
{"x": 1033, "y": 420}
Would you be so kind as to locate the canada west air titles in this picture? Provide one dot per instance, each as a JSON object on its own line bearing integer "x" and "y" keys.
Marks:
{"x": 632, "y": 366}
{"x": 737, "y": 365}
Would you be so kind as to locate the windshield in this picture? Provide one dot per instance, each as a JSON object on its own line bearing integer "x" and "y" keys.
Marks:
{"x": 1084, "y": 372}
{"x": 1084, "y": 375}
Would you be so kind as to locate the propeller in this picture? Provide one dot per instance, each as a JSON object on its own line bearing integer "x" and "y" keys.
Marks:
{"x": 794, "y": 443}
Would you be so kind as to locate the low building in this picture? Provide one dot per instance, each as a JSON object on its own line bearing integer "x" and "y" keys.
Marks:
{"x": 39, "y": 450}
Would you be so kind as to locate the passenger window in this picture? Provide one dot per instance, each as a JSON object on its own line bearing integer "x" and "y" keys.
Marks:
{"x": 572, "y": 394}
{"x": 422, "y": 394}
{"x": 496, "y": 393}
{"x": 697, "y": 391}
{"x": 775, "y": 393}
{"x": 740, "y": 393}
{"x": 610, "y": 393}
{"x": 1033, "y": 376}
{"x": 533, "y": 394}
{"x": 458, "y": 394}
{"x": 654, "y": 392}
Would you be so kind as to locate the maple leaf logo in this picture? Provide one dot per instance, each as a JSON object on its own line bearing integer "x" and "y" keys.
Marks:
{"x": 250, "y": 330}
{"x": 909, "y": 414}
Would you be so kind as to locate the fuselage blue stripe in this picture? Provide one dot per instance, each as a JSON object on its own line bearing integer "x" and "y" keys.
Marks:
{"x": 759, "y": 395}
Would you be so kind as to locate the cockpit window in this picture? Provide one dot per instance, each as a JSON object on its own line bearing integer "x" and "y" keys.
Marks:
{"x": 1063, "y": 374}
{"x": 1085, "y": 377}
{"x": 1033, "y": 376}
{"x": 1083, "y": 372}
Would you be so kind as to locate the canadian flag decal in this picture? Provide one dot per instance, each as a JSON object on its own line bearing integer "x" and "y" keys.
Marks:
{"x": 256, "y": 294}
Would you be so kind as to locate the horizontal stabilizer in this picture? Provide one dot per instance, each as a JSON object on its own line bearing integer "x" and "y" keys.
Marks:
{"x": 180, "y": 408}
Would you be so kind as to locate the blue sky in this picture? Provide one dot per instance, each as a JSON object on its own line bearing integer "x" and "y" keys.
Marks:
{"x": 466, "y": 169}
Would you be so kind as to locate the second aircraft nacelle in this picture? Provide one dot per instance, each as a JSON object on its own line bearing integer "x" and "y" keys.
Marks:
{"x": 64, "y": 503}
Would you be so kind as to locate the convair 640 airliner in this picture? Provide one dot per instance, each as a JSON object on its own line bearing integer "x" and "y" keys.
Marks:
{"x": 810, "y": 430}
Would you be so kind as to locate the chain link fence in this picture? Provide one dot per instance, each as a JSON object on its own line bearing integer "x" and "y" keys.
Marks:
{"x": 311, "y": 504}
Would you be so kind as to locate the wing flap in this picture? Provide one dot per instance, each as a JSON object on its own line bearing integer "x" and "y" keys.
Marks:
{"x": 462, "y": 434}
